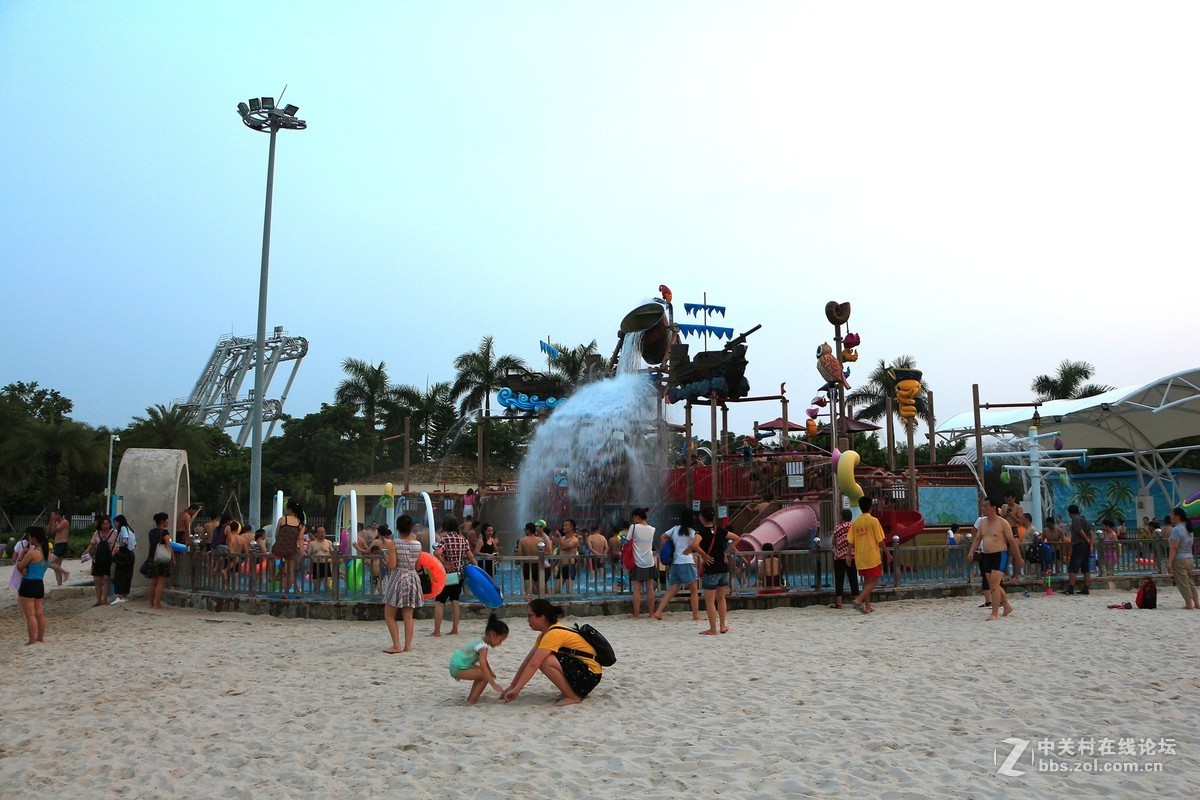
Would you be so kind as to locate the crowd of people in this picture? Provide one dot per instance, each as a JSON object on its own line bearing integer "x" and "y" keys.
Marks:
{"x": 694, "y": 557}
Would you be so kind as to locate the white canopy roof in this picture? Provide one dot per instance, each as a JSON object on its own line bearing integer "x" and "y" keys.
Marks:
{"x": 1135, "y": 418}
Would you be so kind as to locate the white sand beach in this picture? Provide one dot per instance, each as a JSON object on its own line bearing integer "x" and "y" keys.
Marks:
{"x": 914, "y": 701}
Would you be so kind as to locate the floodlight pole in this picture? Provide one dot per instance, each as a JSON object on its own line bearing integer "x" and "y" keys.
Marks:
{"x": 256, "y": 408}
{"x": 261, "y": 115}
{"x": 108, "y": 499}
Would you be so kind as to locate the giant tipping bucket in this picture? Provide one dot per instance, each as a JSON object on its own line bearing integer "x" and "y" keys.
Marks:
{"x": 652, "y": 321}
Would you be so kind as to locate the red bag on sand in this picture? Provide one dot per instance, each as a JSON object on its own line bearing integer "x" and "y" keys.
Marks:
{"x": 1147, "y": 595}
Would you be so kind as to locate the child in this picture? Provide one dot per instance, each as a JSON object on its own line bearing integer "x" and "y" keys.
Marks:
{"x": 470, "y": 662}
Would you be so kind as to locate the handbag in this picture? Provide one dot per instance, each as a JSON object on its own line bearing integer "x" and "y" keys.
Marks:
{"x": 123, "y": 557}
{"x": 627, "y": 560}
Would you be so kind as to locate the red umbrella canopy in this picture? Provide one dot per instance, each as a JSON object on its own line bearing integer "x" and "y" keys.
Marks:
{"x": 777, "y": 424}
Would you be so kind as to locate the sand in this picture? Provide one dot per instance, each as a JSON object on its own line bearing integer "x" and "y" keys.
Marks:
{"x": 913, "y": 701}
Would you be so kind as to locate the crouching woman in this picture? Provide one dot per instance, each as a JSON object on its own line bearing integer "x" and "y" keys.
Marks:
{"x": 559, "y": 653}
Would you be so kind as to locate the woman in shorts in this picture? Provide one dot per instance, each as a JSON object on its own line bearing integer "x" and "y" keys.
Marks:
{"x": 644, "y": 570}
{"x": 32, "y": 589}
{"x": 559, "y": 653}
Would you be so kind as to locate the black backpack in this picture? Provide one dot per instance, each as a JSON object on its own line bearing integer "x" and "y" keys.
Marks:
{"x": 605, "y": 656}
{"x": 103, "y": 558}
{"x": 1033, "y": 553}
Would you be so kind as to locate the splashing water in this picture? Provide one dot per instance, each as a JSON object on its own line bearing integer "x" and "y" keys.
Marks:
{"x": 599, "y": 453}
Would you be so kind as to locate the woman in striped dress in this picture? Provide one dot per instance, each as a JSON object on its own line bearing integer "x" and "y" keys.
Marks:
{"x": 402, "y": 588}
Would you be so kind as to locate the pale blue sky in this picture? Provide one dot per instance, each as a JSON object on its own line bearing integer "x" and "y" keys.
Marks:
{"x": 995, "y": 187}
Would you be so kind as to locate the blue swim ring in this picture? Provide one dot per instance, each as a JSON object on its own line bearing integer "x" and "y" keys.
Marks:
{"x": 482, "y": 586}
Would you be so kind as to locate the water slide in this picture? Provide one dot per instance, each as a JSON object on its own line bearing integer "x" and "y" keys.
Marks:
{"x": 907, "y": 524}
{"x": 789, "y": 528}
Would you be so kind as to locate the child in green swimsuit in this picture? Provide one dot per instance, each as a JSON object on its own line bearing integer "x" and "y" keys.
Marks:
{"x": 470, "y": 662}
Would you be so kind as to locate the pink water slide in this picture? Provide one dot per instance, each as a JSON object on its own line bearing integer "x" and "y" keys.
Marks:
{"x": 792, "y": 528}
{"x": 789, "y": 528}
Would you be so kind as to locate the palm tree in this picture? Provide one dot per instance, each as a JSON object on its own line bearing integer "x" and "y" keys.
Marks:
{"x": 431, "y": 415}
{"x": 478, "y": 375}
{"x": 576, "y": 365}
{"x": 366, "y": 389}
{"x": 1069, "y": 383}
{"x": 55, "y": 446}
{"x": 171, "y": 429}
{"x": 870, "y": 398}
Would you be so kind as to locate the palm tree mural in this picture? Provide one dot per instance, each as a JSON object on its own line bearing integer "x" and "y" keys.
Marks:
{"x": 478, "y": 375}
{"x": 870, "y": 398}
{"x": 1086, "y": 494}
{"x": 1068, "y": 383}
{"x": 1118, "y": 496}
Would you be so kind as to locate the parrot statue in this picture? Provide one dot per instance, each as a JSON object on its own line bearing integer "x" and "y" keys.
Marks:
{"x": 665, "y": 291}
{"x": 829, "y": 367}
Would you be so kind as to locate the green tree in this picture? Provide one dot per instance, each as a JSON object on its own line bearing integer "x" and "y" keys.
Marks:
{"x": 44, "y": 405}
{"x": 60, "y": 450}
{"x": 1068, "y": 383}
{"x": 316, "y": 451}
{"x": 226, "y": 472}
{"x": 870, "y": 398}
{"x": 432, "y": 417}
{"x": 577, "y": 365}
{"x": 478, "y": 374}
{"x": 945, "y": 452}
{"x": 169, "y": 428}
{"x": 366, "y": 389}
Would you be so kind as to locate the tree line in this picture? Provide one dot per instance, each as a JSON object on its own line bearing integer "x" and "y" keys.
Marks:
{"x": 49, "y": 460}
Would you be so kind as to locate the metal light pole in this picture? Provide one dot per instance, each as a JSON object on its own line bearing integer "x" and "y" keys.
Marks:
{"x": 108, "y": 485}
{"x": 260, "y": 114}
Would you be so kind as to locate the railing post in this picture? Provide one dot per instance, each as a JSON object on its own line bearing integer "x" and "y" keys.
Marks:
{"x": 541, "y": 570}
{"x": 896, "y": 561}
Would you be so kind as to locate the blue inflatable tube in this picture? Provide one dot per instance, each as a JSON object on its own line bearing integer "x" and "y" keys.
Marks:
{"x": 482, "y": 586}
{"x": 179, "y": 547}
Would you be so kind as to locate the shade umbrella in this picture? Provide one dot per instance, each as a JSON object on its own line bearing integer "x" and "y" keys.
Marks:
{"x": 777, "y": 424}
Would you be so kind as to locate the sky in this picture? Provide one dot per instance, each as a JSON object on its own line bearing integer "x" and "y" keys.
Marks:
{"x": 994, "y": 187}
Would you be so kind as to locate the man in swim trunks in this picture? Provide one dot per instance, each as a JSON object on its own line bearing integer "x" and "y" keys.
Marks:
{"x": 183, "y": 528}
{"x": 1082, "y": 541}
{"x": 994, "y": 540}
{"x": 60, "y": 531}
{"x": 527, "y": 546}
